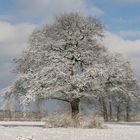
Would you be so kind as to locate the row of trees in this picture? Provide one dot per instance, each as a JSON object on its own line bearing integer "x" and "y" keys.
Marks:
{"x": 65, "y": 61}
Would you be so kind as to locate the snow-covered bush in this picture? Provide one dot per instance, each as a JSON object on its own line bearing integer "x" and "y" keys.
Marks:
{"x": 58, "y": 120}
{"x": 64, "y": 120}
{"x": 91, "y": 122}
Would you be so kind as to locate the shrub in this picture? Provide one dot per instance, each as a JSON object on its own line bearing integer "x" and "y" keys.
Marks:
{"x": 58, "y": 120}
{"x": 64, "y": 120}
{"x": 91, "y": 122}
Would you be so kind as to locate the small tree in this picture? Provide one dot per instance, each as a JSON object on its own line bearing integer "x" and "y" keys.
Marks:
{"x": 120, "y": 86}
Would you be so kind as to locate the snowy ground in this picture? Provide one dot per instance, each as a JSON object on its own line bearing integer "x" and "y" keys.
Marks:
{"x": 26, "y": 130}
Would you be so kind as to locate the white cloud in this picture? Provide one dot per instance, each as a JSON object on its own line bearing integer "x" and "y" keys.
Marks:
{"x": 95, "y": 11}
{"x": 134, "y": 34}
{"x": 6, "y": 17}
{"x": 49, "y": 8}
{"x": 13, "y": 38}
{"x": 130, "y": 49}
{"x": 118, "y": 44}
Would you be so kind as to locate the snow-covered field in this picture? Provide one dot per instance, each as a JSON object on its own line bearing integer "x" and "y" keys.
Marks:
{"x": 36, "y": 131}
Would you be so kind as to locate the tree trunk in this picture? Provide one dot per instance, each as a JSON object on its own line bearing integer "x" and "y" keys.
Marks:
{"x": 110, "y": 107}
{"x": 127, "y": 111}
{"x": 75, "y": 108}
{"x": 105, "y": 111}
{"x": 39, "y": 109}
{"x": 110, "y": 111}
{"x": 118, "y": 112}
{"x": 105, "y": 114}
{"x": 104, "y": 108}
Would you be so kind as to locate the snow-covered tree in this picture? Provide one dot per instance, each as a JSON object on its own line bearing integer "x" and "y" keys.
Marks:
{"x": 65, "y": 61}
{"x": 58, "y": 56}
{"x": 120, "y": 86}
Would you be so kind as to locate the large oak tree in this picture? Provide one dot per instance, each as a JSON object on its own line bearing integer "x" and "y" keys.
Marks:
{"x": 65, "y": 61}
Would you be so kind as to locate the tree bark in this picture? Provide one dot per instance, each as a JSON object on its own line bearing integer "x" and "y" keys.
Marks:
{"x": 75, "y": 108}
{"x": 105, "y": 111}
{"x": 118, "y": 112}
{"x": 39, "y": 109}
{"x": 104, "y": 108}
{"x": 127, "y": 111}
{"x": 110, "y": 111}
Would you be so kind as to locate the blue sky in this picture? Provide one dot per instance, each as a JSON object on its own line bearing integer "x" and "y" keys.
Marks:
{"x": 18, "y": 18}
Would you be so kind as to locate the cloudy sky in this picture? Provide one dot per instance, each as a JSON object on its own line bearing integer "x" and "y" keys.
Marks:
{"x": 18, "y": 18}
